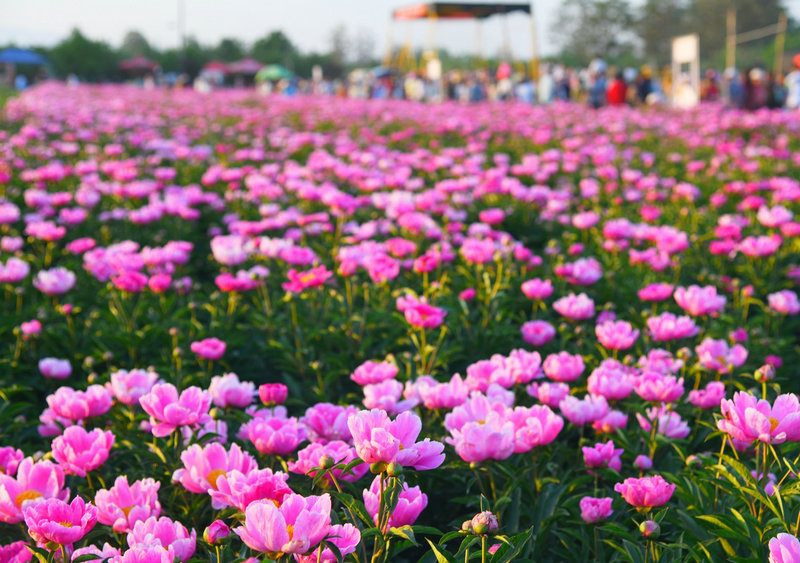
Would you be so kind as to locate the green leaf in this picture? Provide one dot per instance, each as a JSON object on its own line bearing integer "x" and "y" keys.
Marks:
{"x": 405, "y": 532}
{"x": 441, "y": 557}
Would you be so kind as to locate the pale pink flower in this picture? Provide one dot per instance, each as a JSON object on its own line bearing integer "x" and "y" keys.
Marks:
{"x": 79, "y": 451}
{"x": 122, "y": 505}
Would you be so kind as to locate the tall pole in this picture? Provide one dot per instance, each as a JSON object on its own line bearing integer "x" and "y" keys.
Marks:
{"x": 534, "y": 46}
{"x": 730, "y": 40}
{"x": 181, "y": 35}
{"x": 780, "y": 42}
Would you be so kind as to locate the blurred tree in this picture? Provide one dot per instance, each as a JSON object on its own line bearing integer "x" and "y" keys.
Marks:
{"x": 89, "y": 60}
{"x": 340, "y": 44}
{"x": 364, "y": 47}
{"x": 594, "y": 28}
{"x": 195, "y": 57}
{"x": 707, "y": 18}
{"x": 134, "y": 43}
{"x": 275, "y": 48}
{"x": 229, "y": 50}
{"x": 658, "y": 22}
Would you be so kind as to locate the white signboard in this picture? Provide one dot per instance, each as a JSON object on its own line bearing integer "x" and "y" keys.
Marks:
{"x": 685, "y": 71}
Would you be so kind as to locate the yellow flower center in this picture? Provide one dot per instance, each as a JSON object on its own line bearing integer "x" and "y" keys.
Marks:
{"x": 290, "y": 530}
{"x": 773, "y": 423}
{"x": 127, "y": 510}
{"x": 66, "y": 524}
{"x": 213, "y": 476}
{"x": 306, "y": 278}
{"x": 26, "y": 495}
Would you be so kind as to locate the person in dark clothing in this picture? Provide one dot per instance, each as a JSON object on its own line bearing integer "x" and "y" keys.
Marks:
{"x": 644, "y": 84}
{"x": 755, "y": 91}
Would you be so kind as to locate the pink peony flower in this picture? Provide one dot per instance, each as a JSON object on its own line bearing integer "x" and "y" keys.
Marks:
{"x": 374, "y": 372}
{"x": 616, "y": 335}
{"x": 276, "y": 436}
{"x": 419, "y": 313}
{"x": 227, "y": 391}
{"x": 747, "y": 418}
{"x": 300, "y": 281}
{"x": 563, "y": 367}
{"x": 594, "y": 510}
{"x": 377, "y": 438}
{"x": 667, "y": 326}
{"x": 669, "y": 423}
{"x": 168, "y": 411}
{"x": 131, "y": 282}
{"x": 53, "y": 520}
{"x": 326, "y": 422}
{"x": 203, "y": 466}
{"x": 16, "y": 552}
{"x": 309, "y": 460}
{"x": 123, "y": 505}
{"x": 238, "y": 489}
{"x": 534, "y": 426}
{"x": 129, "y": 386}
{"x": 611, "y": 382}
{"x": 656, "y": 292}
{"x": 410, "y": 504}
{"x": 79, "y": 451}
{"x": 386, "y": 396}
{"x": 698, "y": 301}
{"x": 784, "y": 548}
{"x": 575, "y": 307}
{"x": 538, "y": 333}
{"x": 708, "y": 398}
{"x": 345, "y": 537}
{"x": 14, "y": 270}
{"x": 33, "y": 481}
{"x": 78, "y": 405}
{"x": 209, "y": 348}
{"x": 169, "y": 535}
{"x": 54, "y": 281}
{"x": 655, "y": 387}
{"x": 297, "y": 526}
{"x": 537, "y": 288}
{"x": 107, "y": 553}
{"x": 716, "y": 355}
{"x": 9, "y": 460}
{"x": 273, "y": 393}
{"x": 784, "y": 302}
{"x": 603, "y": 455}
{"x": 548, "y": 393}
{"x": 645, "y": 492}
{"x": 30, "y": 329}
{"x": 216, "y": 532}
{"x": 580, "y": 412}
{"x": 55, "y": 368}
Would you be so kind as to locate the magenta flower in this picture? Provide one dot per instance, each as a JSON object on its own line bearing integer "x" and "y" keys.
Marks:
{"x": 374, "y": 372}
{"x": 656, "y": 292}
{"x": 377, "y": 438}
{"x": 534, "y": 426}
{"x": 300, "y": 281}
{"x": 55, "y": 281}
{"x": 79, "y": 451}
{"x": 16, "y": 552}
{"x": 227, "y": 391}
{"x": 310, "y": 458}
{"x": 537, "y": 288}
{"x": 276, "y": 436}
{"x": 698, "y": 301}
{"x": 297, "y": 526}
{"x": 708, "y": 398}
{"x": 216, "y": 532}
{"x": 238, "y": 489}
{"x": 784, "y": 548}
{"x": 587, "y": 410}
{"x": 106, "y": 553}
{"x": 594, "y": 510}
{"x": 129, "y": 386}
{"x": 209, "y": 348}
{"x": 14, "y": 270}
{"x": 53, "y": 520}
{"x": 716, "y": 355}
{"x": 748, "y": 418}
{"x": 123, "y": 505}
{"x": 419, "y": 313}
{"x": 168, "y": 411}
{"x": 411, "y": 502}
{"x": 273, "y": 393}
{"x": 611, "y": 382}
{"x": 203, "y": 466}
{"x": 78, "y": 405}
{"x": 130, "y": 282}
{"x": 548, "y": 393}
{"x": 655, "y": 387}
{"x": 55, "y": 368}
{"x": 645, "y": 492}
{"x": 169, "y": 535}
{"x": 39, "y": 480}
{"x": 326, "y": 421}
{"x": 669, "y": 423}
{"x": 603, "y": 455}
{"x": 667, "y": 326}
{"x": 345, "y": 537}
{"x": 575, "y": 307}
{"x": 616, "y": 335}
{"x": 784, "y": 302}
{"x": 9, "y": 460}
{"x": 537, "y": 333}
{"x": 563, "y": 367}
{"x": 643, "y": 463}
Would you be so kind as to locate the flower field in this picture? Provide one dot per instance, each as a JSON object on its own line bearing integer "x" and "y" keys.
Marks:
{"x": 316, "y": 329}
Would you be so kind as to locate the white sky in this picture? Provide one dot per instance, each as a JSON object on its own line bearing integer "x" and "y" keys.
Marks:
{"x": 307, "y": 22}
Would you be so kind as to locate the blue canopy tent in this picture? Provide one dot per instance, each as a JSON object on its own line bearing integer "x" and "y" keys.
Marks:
{"x": 21, "y": 57}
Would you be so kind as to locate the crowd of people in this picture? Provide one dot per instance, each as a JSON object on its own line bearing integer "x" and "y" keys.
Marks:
{"x": 596, "y": 85}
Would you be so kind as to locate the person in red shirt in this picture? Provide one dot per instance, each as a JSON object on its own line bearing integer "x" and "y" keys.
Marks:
{"x": 617, "y": 90}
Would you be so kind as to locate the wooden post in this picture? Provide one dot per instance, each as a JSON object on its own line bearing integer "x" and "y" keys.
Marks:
{"x": 534, "y": 46}
{"x": 780, "y": 42}
{"x": 730, "y": 42}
